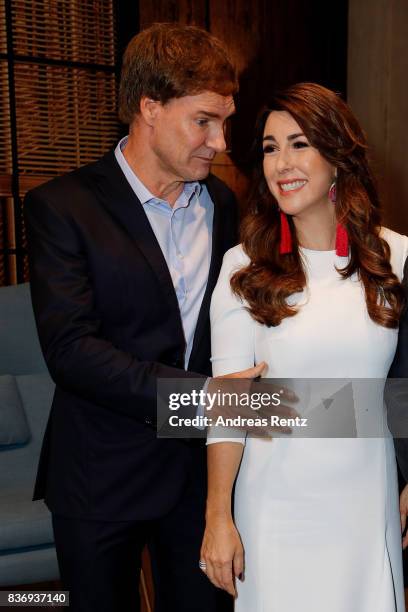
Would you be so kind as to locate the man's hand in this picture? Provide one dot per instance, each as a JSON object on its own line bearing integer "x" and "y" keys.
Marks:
{"x": 223, "y": 553}
{"x": 232, "y": 388}
{"x": 250, "y": 373}
{"x": 404, "y": 513}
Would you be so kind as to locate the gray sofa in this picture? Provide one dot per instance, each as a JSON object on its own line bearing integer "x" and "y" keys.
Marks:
{"x": 27, "y": 552}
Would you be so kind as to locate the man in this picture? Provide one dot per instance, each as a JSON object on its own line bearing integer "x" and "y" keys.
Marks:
{"x": 124, "y": 255}
{"x": 396, "y": 392}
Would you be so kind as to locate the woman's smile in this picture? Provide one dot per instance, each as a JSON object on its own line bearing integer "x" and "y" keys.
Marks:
{"x": 288, "y": 186}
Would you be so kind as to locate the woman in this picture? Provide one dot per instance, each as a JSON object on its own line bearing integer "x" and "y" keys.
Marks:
{"x": 315, "y": 292}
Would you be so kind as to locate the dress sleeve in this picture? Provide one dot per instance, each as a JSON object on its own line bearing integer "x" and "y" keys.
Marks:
{"x": 232, "y": 333}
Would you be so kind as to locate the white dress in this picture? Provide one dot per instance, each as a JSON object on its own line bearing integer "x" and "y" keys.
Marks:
{"x": 318, "y": 518}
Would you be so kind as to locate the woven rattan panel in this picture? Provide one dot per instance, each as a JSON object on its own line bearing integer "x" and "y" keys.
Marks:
{"x": 5, "y": 132}
{"x": 58, "y": 93}
{"x": 66, "y": 117}
{"x": 7, "y": 241}
{"x": 70, "y": 30}
{"x": 3, "y": 34}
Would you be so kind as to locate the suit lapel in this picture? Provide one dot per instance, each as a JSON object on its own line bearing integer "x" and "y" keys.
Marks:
{"x": 119, "y": 199}
{"x": 121, "y": 202}
{"x": 215, "y": 264}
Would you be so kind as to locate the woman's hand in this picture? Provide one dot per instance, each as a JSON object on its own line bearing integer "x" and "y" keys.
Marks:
{"x": 223, "y": 553}
{"x": 404, "y": 513}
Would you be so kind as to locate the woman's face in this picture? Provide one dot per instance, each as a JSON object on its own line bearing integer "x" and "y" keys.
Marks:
{"x": 296, "y": 174}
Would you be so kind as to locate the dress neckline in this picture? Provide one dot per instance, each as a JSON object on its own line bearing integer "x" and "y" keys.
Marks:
{"x": 306, "y": 250}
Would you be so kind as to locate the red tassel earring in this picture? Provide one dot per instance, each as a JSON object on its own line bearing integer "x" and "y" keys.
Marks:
{"x": 286, "y": 236}
{"x": 342, "y": 243}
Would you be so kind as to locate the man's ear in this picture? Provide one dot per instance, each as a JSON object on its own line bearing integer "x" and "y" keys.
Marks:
{"x": 150, "y": 109}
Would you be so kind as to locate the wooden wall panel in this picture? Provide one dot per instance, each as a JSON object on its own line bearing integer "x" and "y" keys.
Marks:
{"x": 232, "y": 175}
{"x": 238, "y": 25}
{"x": 369, "y": 37}
{"x": 274, "y": 43}
{"x": 192, "y": 12}
{"x": 397, "y": 125}
{"x": 378, "y": 94}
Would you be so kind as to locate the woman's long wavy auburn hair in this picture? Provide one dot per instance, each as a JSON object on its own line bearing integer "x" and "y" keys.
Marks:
{"x": 270, "y": 278}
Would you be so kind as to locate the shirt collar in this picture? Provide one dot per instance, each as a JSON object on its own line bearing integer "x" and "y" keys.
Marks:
{"x": 142, "y": 192}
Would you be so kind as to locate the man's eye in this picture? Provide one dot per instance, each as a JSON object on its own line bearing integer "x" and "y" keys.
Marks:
{"x": 202, "y": 122}
{"x": 300, "y": 144}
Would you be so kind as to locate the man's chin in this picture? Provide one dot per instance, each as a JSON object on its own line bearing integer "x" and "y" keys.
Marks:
{"x": 201, "y": 173}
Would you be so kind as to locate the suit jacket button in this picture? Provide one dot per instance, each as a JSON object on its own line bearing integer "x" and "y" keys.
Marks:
{"x": 148, "y": 421}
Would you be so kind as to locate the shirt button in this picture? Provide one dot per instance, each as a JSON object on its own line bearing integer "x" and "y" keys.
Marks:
{"x": 180, "y": 255}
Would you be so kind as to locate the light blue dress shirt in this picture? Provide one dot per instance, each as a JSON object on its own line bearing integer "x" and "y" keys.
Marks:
{"x": 184, "y": 233}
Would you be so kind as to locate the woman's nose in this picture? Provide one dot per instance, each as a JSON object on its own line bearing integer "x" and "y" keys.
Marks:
{"x": 283, "y": 161}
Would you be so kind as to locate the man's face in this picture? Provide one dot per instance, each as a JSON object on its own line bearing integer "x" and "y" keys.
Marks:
{"x": 187, "y": 132}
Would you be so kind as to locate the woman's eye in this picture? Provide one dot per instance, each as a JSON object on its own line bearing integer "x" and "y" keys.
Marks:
{"x": 300, "y": 144}
{"x": 269, "y": 149}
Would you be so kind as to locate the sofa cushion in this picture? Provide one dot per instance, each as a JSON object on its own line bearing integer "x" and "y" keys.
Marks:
{"x": 28, "y": 566}
{"x": 24, "y": 523}
{"x": 19, "y": 464}
{"x": 20, "y": 348}
{"x": 13, "y": 421}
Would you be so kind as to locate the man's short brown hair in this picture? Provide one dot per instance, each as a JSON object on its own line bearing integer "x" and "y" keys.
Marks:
{"x": 170, "y": 60}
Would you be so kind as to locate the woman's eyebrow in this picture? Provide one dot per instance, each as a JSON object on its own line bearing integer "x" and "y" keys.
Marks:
{"x": 291, "y": 137}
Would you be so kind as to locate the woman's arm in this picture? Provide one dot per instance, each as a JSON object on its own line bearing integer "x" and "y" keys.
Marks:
{"x": 222, "y": 549}
{"x": 232, "y": 344}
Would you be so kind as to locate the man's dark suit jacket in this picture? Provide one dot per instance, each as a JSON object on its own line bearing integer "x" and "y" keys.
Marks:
{"x": 109, "y": 326}
{"x": 397, "y": 395}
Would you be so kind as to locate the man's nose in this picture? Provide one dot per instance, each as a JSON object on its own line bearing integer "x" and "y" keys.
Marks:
{"x": 216, "y": 141}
